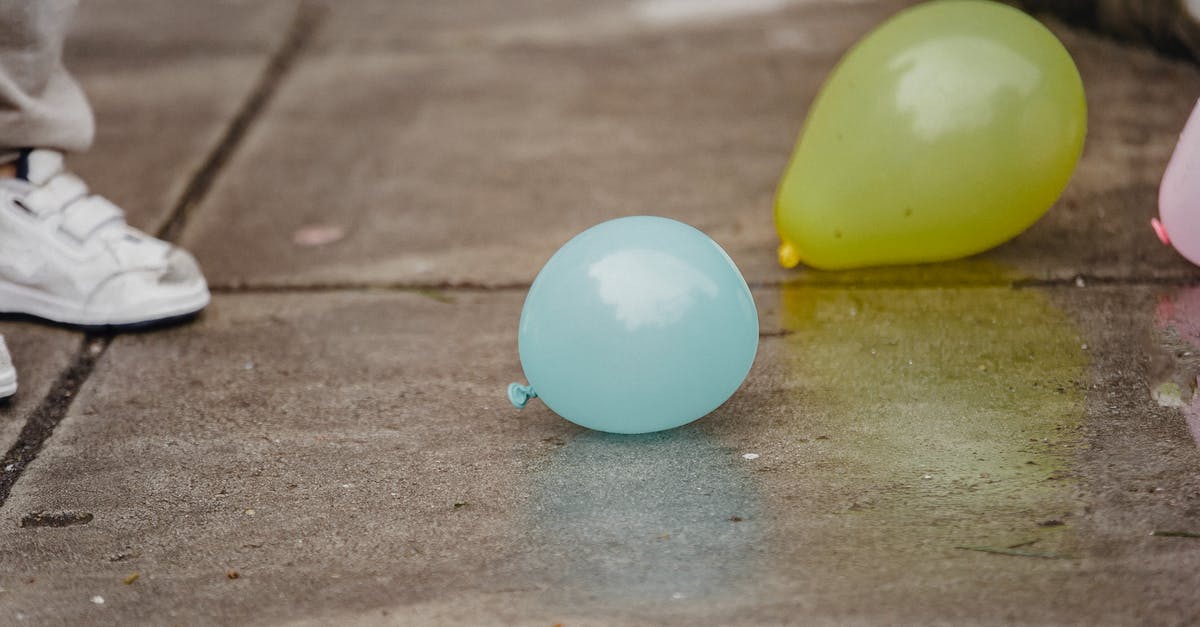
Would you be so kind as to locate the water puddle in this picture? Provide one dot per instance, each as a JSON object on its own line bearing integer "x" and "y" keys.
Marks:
{"x": 1175, "y": 362}
{"x": 627, "y": 521}
{"x": 946, "y": 420}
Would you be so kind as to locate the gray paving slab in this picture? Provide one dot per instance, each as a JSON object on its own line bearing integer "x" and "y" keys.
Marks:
{"x": 164, "y": 79}
{"x": 350, "y": 456}
{"x": 472, "y": 163}
{"x": 39, "y": 354}
{"x": 365, "y": 25}
{"x": 470, "y": 160}
{"x": 373, "y": 25}
{"x": 116, "y": 33}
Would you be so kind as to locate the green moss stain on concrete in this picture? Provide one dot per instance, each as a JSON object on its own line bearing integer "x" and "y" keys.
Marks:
{"x": 946, "y": 417}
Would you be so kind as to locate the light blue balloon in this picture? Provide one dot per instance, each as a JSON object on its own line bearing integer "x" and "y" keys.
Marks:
{"x": 636, "y": 325}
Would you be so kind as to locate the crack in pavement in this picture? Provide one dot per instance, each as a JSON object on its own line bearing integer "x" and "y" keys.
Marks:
{"x": 304, "y": 25}
{"x": 42, "y": 421}
{"x": 458, "y": 287}
{"x": 1079, "y": 281}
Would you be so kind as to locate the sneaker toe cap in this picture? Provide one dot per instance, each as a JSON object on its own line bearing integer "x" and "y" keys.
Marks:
{"x": 178, "y": 288}
{"x": 181, "y": 269}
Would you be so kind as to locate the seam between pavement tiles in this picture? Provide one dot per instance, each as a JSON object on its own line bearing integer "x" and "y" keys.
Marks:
{"x": 40, "y": 424}
{"x": 865, "y": 284}
{"x": 304, "y": 25}
{"x": 54, "y": 406}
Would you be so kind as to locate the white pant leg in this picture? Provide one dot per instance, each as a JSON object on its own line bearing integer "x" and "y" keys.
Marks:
{"x": 41, "y": 105}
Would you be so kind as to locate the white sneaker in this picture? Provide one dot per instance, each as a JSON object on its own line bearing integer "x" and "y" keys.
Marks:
{"x": 8, "y": 374}
{"x": 68, "y": 256}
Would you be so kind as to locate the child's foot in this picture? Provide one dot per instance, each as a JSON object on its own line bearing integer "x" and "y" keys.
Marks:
{"x": 8, "y": 374}
{"x": 68, "y": 256}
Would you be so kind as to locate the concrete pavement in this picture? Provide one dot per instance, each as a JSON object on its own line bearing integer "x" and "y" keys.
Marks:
{"x": 371, "y": 187}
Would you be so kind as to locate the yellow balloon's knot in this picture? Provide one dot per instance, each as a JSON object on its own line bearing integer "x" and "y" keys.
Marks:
{"x": 518, "y": 394}
{"x": 789, "y": 257}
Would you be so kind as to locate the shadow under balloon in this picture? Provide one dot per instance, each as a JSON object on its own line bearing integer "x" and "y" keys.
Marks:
{"x": 623, "y": 521}
{"x": 947, "y": 417}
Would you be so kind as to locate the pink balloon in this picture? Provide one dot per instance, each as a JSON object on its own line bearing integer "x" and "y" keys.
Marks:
{"x": 1178, "y": 223}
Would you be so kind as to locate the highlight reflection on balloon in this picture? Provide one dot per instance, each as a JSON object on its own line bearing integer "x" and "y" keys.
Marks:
{"x": 948, "y": 130}
{"x": 636, "y": 325}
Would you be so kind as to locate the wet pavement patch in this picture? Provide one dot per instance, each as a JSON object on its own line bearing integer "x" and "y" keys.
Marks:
{"x": 641, "y": 520}
{"x": 1175, "y": 361}
{"x": 1012, "y": 552}
{"x": 953, "y": 416}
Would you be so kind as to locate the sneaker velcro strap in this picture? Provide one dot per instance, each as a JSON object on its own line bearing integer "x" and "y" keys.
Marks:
{"x": 59, "y": 192}
{"x": 84, "y": 217}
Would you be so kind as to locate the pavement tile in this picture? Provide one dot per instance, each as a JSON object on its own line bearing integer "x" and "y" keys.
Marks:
{"x": 40, "y": 354}
{"x": 352, "y": 457}
{"x": 164, "y": 79}
{"x": 271, "y": 437}
{"x": 374, "y": 25}
{"x": 470, "y": 163}
{"x": 364, "y": 25}
{"x": 113, "y": 33}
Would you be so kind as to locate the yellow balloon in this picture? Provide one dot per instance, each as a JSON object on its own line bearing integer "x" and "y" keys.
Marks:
{"x": 948, "y": 130}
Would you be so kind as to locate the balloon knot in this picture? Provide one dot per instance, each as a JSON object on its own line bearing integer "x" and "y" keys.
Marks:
{"x": 1160, "y": 230}
{"x": 518, "y": 394}
{"x": 789, "y": 257}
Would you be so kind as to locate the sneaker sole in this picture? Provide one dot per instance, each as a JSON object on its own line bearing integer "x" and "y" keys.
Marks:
{"x": 8, "y": 383}
{"x": 23, "y": 301}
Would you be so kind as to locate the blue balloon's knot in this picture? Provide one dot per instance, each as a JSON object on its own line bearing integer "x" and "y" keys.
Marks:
{"x": 520, "y": 394}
